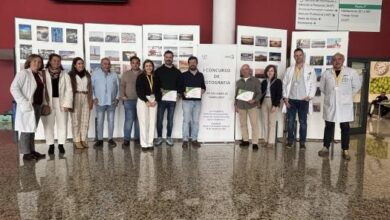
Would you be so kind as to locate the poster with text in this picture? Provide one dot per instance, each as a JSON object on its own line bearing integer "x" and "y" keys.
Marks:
{"x": 259, "y": 47}
{"x": 218, "y": 65}
{"x": 319, "y": 47}
{"x": 116, "y": 42}
{"x": 379, "y": 79}
{"x": 46, "y": 37}
{"x": 182, "y": 40}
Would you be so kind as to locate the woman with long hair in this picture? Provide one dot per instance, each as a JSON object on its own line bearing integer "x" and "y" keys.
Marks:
{"x": 148, "y": 96}
{"x": 80, "y": 80}
{"x": 271, "y": 88}
{"x": 60, "y": 101}
{"x": 28, "y": 89}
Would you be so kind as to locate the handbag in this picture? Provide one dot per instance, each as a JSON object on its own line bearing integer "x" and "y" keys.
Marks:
{"x": 45, "y": 110}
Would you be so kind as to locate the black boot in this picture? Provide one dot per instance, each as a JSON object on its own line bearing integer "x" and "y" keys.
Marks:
{"x": 51, "y": 149}
{"x": 61, "y": 148}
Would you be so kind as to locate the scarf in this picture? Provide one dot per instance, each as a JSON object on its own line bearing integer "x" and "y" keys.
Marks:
{"x": 80, "y": 74}
{"x": 54, "y": 74}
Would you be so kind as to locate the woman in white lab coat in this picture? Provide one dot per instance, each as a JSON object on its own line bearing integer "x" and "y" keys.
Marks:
{"x": 60, "y": 95}
{"x": 338, "y": 85}
{"x": 28, "y": 90}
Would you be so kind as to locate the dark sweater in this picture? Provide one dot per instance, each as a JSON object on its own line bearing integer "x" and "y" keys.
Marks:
{"x": 143, "y": 89}
{"x": 38, "y": 94}
{"x": 167, "y": 77}
{"x": 187, "y": 79}
{"x": 275, "y": 90}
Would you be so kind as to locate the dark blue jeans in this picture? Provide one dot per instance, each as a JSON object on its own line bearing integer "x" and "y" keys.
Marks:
{"x": 162, "y": 106}
{"x": 130, "y": 119}
{"x": 302, "y": 108}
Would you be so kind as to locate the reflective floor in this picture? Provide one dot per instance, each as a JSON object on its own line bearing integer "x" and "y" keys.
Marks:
{"x": 213, "y": 182}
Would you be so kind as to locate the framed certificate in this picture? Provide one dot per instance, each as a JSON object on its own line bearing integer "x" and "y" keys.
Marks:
{"x": 244, "y": 95}
{"x": 169, "y": 95}
{"x": 193, "y": 92}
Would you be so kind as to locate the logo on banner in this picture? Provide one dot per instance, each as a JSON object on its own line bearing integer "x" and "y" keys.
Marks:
{"x": 230, "y": 56}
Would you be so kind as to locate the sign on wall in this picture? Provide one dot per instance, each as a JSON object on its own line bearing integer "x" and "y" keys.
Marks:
{"x": 182, "y": 40}
{"x": 218, "y": 65}
{"x": 348, "y": 15}
{"x": 46, "y": 37}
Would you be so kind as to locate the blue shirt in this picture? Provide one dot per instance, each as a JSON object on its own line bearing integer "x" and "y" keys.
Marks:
{"x": 105, "y": 87}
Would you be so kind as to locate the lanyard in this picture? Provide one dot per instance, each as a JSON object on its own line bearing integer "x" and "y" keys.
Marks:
{"x": 150, "y": 81}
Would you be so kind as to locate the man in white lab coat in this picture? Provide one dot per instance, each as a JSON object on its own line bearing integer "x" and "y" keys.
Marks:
{"x": 299, "y": 87}
{"x": 338, "y": 85}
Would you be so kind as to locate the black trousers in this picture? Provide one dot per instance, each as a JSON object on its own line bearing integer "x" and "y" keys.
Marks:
{"x": 329, "y": 134}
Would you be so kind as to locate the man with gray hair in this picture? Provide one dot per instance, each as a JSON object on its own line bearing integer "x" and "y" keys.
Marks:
{"x": 338, "y": 85}
{"x": 105, "y": 88}
{"x": 248, "y": 95}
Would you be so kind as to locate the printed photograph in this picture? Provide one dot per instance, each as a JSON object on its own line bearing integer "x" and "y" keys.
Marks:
{"x": 318, "y": 73}
{"x": 25, "y": 32}
{"x": 94, "y": 66}
{"x": 111, "y": 37}
{"x": 260, "y": 56}
{"x": 275, "y": 42}
{"x": 259, "y": 73}
{"x": 66, "y": 54}
{"x": 246, "y": 56}
{"x": 303, "y": 43}
{"x": 333, "y": 42}
{"x": 186, "y": 37}
{"x": 113, "y": 55}
{"x": 94, "y": 52}
{"x": 126, "y": 55}
{"x": 183, "y": 65}
{"x": 116, "y": 68}
{"x": 275, "y": 56}
{"x": 317, "y": 107}
{"x": 170, "y": 37}
{"x": 173, "y": 49}
{"x": 42, "y": 33}
{"x": 71, "y": 36}
{"x": 25, "y": 51}
{"x": 45, "y": 53}
{"x": 96, "y": 36}
{"x": 329, "y": 60}
{"x": 157, "y": 63}
{"x": 317, "y": 60}
{"x": 128, "y": 38}
{"x": 261, "y": 41}
{"x": 247, "y": 40}
{"x": 154, "y": 36}
{"x": 154, "y": 51}
{"x": 186, "y": 51}
{"x": 318, "y": 44}
{"x": 57, "y": 35}
{"x": 126, "y": 67}
{"x": 318, "y": 92}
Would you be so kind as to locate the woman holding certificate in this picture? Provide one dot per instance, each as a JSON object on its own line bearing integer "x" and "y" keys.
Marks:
{"x": 271, "y": 88}
{"x": 148, "y": 96}
{"x": 248, "y": 95}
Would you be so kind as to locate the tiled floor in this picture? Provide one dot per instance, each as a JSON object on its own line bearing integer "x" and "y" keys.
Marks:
{"x": 213, "y": 182}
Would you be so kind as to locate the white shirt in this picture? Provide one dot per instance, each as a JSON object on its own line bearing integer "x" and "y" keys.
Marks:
{"x": 82, "y": 83}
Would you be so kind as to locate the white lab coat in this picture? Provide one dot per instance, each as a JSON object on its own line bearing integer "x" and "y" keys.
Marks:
{"x": 65, "y": 90}
{"x": 338, "y": 100}
{"x": 310, "y": 84}
{"x": 22, "y": 89}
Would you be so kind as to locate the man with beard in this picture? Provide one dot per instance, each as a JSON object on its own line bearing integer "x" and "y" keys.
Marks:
{"x": 191, "y": 86}
{"x": 167, "y": 76}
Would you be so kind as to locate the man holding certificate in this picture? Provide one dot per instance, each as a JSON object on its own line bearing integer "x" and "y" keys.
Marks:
{"x": 191, "y": 86}
{"x": 248, "y": 94}
{"x": 167, "y": 76}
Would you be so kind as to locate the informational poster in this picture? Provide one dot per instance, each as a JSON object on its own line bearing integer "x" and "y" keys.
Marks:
{"x": 116, "y": 42}
{"x": 260, "y": 47}
{"x": 348, "y": 15}
{"x": 182, "y": 40}
{"x": 217, "y": 62}
{"x": 319, "y": 47}
{"x": 46, "y": 37}
{"x": 379, "y": 79}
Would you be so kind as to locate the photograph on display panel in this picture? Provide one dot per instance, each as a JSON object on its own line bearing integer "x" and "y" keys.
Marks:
{"x": 67, "y": 55}
{"x": 57, "y": 34}
{"x": 154, "y": 36}
{"x": 303, "y": 43}
{"x": 25, "y": 51}
{"x": 247, "y": 40}
{"x": 128, "y": 38}
{"x": 112, "y": 55}
{"x": 126, "y": 55}
{"x": 111, "y": 37}
{"x": 96, "y": 36}
{"x": 275, "y": 42}
{"x": 261, "y": 41}
{"x": 186, "y": 51}
{"x": 71, "y": 36}
{"x": 186, "y": 37}
{"x": 94, "y": 52}
{"x": 42, "y": 33}
{"x": 25, "y": 32}
{"x": 45, "y": 53}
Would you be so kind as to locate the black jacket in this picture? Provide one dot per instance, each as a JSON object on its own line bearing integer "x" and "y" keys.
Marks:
{"x": 167, "y": 77}
{"x": 187, "y": 79}
{"x": 143, "y": 89}
{"x": 276, "y": 91}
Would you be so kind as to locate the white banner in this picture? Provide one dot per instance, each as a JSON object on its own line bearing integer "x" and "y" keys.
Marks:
{"x": 218, "y": 64}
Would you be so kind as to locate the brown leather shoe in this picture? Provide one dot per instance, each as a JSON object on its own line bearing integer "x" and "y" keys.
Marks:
{"x": 78, "y": 145}
{"x": 85, "y": 144}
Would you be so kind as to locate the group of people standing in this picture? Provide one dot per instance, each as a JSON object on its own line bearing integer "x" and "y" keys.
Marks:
{"x": 144, "y": 93}
{"x": 297, "y": 89}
